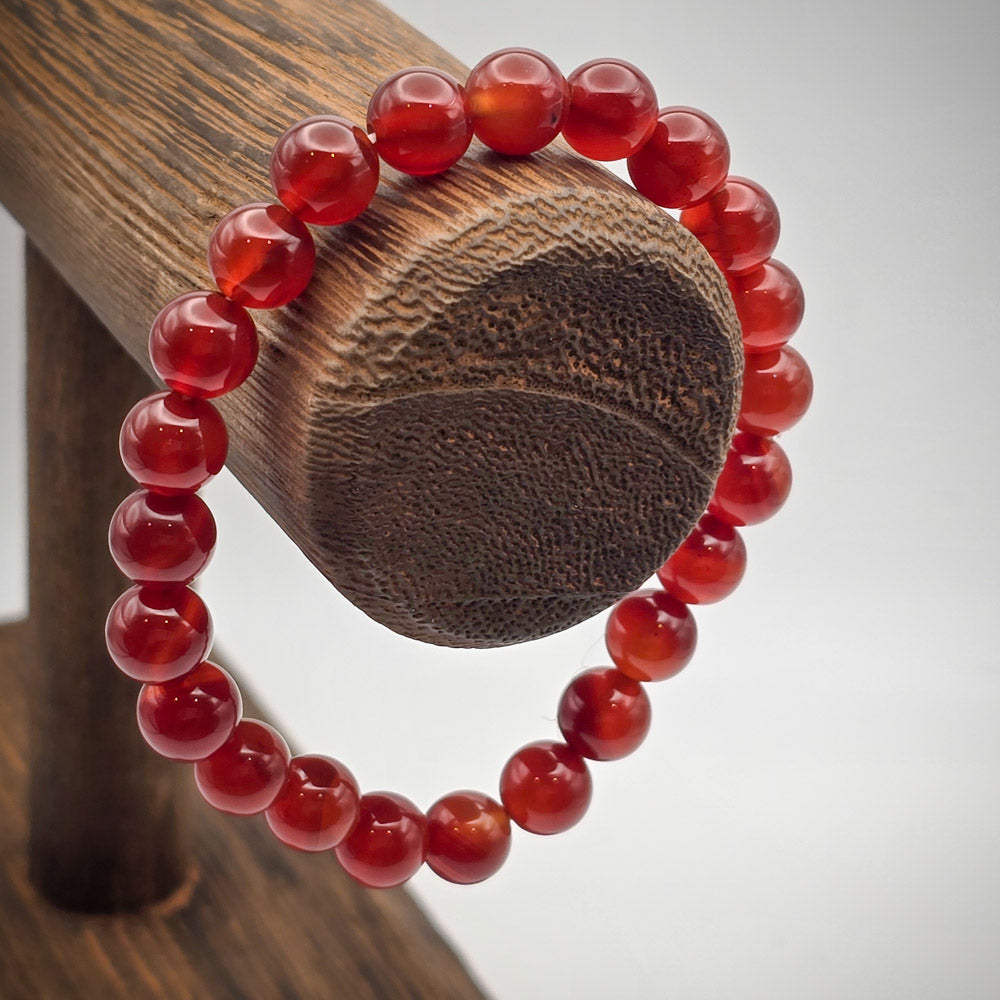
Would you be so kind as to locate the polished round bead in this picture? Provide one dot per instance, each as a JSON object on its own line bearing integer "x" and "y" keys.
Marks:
{"x": 173, "y": 444}
{"x": 468, "y": 837}
{"x": 738, "y": 225}
{"x": 245, "y": 775}
{"x": 518, "y": 101}
{"x": 754, "y": 483}
{"x": 191, "y": 717}
{"x": 612, "y": 109}
{"x": 201, "y": 344}
{"x": 777, "y": 390}
{"x": 684, "y": 161}
{"x": 325, "y": 170}
{"x": 261, "y": 256}
{"x": 421, "y": 121}
{"x": 708, "y": 565}
{"x": 155, "y": 634}
{"x": 156, "y": 539}
{"x": 318, "y": 805}
{"x": 389, "y": 843}
{"x": 604, "y": 715}
{"x": 650, "y": 635}
{"x": 545, "y": 787}
{"x": 769, "y": 303}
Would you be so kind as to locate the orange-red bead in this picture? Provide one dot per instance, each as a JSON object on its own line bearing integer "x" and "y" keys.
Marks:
{"x": 650, "y": 635}
{"x": 708, "y": 565}
{"x": 754, "y": 483}
{"x": 468, "y": 837}
{"x": 545, "y": 787}
{"x": 604, "y": 715}
{"x": 389, "y": 843}
{"x": 769, "y": 303}
{"x": 777, "y": 390}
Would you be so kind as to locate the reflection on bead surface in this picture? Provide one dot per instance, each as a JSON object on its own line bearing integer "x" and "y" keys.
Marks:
{"x": 468, "y": 837}
{"x": 603, "y": 714}
{"x": 191, "y": 717}
{"x": 389, "y": 843}
{"x": 777, "y": 390}
{"x": 708, "y": 565}
{"x": 769, "y": 303}
{"x": 650, "y": 635}
{"x": 754, "y": 483}
{"x": 545, "y": 787}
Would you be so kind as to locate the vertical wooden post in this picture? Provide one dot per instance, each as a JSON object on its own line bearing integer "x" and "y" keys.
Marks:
{"x": 105, "y": 827}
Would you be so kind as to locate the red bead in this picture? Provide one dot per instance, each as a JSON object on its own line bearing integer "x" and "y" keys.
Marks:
{"x": 421, "y": 121}
{"x": 389, "y": 843}
{"x": 604, "y": 715}
{"x": 777, "y": 390}
{"x": 173, "y": 444}
{"x": 683, "y": 161}
{"x": 545, "y": 787}
{"x": 245, "y": 775}
{"x": 468, "y": 837}
{"x": 325, "y": 170}
{"x": 156, "y": 539}
{"x": 708, "y": 565}
{"x": 650, "y": 635}
{"x": 754, "y": 483}
{"x": 318, "y": 805}
{"x": 201, "y": 344}
{"x": 769, "y": 303}
{"x": 518, "y": 100}
{"x": 261, "y": 256}
{"x": 191, "y": 717}
{"x": 612, "y": 109}
{"x": 155, "y": 634}
{"x": 738, "y": 225}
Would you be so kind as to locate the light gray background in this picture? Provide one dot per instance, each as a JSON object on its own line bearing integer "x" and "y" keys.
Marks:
{"x": 815, "y": 813}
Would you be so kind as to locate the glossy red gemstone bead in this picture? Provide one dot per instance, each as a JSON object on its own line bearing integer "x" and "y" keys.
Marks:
{"x": 650, "y": 635}
{"x": 738, "y": 225}
{"x": 604, "y": 715}
{"x": 612, "y": 109}
{"x": 518, "y": 101}
{"x": 769, "y": 303}
{"x": 754, "y": 483}
{"x": 421, "y": 121}
{"x": 325, "y": 170}
{"x": 684, "y": 161}
{"x": 708, "y": 565}
{"x": 389, "y": 843}
{"x": 155, "y": 634}
{"x": 261, "y": 255}
{"x": 545, "y": 787}
{"x": 191, "y": 717}
{"x": 245, "y": 775}
{"x": 201, "y": 344}
{"x": 468, "y": 837}
{"x": 777, "y": 390}
{"x": 317, "y": 807}
{"x": 173, "y": 444}
{"x": 157, "y": 539}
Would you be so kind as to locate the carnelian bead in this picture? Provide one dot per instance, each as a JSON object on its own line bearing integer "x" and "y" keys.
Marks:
{"x": 156, "y": 539}
{"x": 261, "y": 255}
{"x": 545, "y": 787}
{"x": 191, "y": 717}
{"x": 769, "y": 303}
{"x": 155, "y": 634}
{"x": 754, "y": 483}
{"x": 421, "y": 121}
{"x": 518, "y": 101}
{"x": 201, "y": 344}
{"x": 389, "y": 843}
{"x": 612, "y": 109}
{"x": 317, "y": 807}
{"x": 325, "y": 170}
{"x": 708, "y": 565}
{"x": 468, "y": 837}
{"x": 650, "y": 635}
{"x": 738, "y": 225}
{"x": 777, "y": 390}
{"x": 173, "y": 444}
{"x": 604, "y": 715}
{"x": 684, "y": 161}
{"x": 245, "y": 775}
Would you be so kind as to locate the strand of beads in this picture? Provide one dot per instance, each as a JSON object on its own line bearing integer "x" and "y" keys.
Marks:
{"x": 325, "y": 171}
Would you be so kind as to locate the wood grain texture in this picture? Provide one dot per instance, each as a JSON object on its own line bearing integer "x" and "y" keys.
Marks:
{"x": 505, "y": 396}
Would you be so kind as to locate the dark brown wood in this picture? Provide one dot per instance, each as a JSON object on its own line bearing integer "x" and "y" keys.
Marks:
{"x": 506, "y": 394}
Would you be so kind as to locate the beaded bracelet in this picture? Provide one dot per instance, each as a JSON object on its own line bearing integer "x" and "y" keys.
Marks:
{"x": 325, "y": 172}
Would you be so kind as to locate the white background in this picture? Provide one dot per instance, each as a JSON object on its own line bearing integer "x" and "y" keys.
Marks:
{"x": 816, "y": 811}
